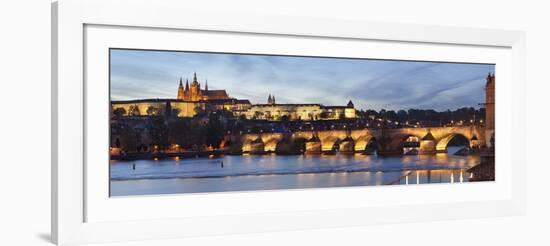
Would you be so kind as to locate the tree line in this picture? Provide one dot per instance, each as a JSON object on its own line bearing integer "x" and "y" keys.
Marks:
{"x": 188, "y": 133}
{"x": 462, "y": 114}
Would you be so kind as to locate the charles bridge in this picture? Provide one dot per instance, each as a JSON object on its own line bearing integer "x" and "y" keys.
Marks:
{"x": 427, "y": 140}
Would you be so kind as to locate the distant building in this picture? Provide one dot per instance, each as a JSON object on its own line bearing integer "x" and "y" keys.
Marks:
{"x": 308, "y": 112}
{"x": 192, "y": 99}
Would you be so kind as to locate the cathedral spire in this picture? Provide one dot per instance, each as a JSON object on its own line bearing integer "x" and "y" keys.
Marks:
{"x": 195, "y": 81}
{"x": 186, "y": 84}
{"x": 206, "y": 85}
{"x": 269, "y": 99}
{"x": 181, "y": 92}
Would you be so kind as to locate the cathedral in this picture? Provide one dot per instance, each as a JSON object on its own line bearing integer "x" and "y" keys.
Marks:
{"x": 194, "y": 93}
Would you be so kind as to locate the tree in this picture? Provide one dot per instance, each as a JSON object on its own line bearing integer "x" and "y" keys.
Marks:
{"x": 119, "y": 112}
{"x": 128, "y": 139}
{"x": 134, "y": 110}
{"x": 176, "y": 112}
{"x": 214, "y": 131}
{"x": 177, "y": 131}
{"x": 371, "y": 113}
{"x": 168, "y": 110}
{"x": 402, "y": 115}
{"x": 199, "y": 111}
{"x": 152, "y": 111}
{"x": 159, "y": 133}
{"x": 382, "y": 113}
{"x": 391, "y": 115}
{"x": 195, "y": 135}
{"x": 258, "y": 115}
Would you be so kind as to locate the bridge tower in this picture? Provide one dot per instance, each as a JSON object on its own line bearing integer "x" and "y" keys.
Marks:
{"x": 490, "y": 110}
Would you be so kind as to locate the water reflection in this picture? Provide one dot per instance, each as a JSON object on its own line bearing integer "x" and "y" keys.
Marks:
{"x": 253, "y": 172}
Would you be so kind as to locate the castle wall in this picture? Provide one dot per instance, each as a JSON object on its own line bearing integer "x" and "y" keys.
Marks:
{"x": 186, "y": 109}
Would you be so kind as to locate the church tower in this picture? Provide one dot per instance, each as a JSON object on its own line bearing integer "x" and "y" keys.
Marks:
{"x": 205, "y": 92}
{"x": 187, "y": 89}
{"x": 181, "y": 92}
{"x": 271, "y": 99}
{"x": 195, "y": 90}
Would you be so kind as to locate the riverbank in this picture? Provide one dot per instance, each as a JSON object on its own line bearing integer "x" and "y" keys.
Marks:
{"x": 485, "y": 171}
{"x": 163, "y": 155}
{"x": 132, "y": 156}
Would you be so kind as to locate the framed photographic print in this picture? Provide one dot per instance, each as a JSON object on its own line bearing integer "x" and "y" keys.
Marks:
{"x": 333, "y": 129}
{"x": 170, "y": 126}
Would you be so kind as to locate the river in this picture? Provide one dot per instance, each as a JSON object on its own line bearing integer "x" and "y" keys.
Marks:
{"x": 269, "y": 172}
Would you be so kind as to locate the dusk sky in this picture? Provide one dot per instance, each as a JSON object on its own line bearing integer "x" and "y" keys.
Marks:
{"x": 370, "y": 84}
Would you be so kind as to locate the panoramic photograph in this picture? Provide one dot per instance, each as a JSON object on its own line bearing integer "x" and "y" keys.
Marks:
{"x": 202, "y": 122}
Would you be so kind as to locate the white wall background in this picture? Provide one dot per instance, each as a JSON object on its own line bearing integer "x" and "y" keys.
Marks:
{"x": 25, "y": 122}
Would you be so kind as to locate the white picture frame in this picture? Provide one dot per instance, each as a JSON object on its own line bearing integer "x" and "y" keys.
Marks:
{"x": 81, "y": 213}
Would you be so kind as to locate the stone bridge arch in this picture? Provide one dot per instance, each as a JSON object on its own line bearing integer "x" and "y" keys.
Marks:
{"x": 347, "y": 145}
{"x": 253, "y": 146}
{"x": 327, "y": 144}
{"x": 442, "y": 144}
{"x": 362, "y": 142}
{"x": 291, "y": 145}
{"x": 271, "y": 140}
{"x": 313, "y": 145}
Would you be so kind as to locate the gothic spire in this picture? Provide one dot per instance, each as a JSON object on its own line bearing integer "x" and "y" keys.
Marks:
{"x": 195, "y": 81}
{"x": 181, "y": 92}
{"x": 186, "y": 84}
{"x": 206, "y": 85}
{"x": 269, "y": 99}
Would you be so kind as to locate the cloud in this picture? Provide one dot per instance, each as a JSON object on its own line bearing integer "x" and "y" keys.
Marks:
{"x": 373, "y": 84}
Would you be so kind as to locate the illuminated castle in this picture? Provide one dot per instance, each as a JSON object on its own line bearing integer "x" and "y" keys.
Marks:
{"x": 192, "y": 99}
{"x": 195, "y": 93}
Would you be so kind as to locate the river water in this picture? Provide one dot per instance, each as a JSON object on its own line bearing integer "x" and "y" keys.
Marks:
{"x": 268, "y": 172}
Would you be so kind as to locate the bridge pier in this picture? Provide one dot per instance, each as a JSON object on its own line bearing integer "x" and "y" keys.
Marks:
{"x": 427, "y": 147}
{"x": 313, "y": 148}
{"x": 256, "y": 147}
{"x": 347, "y": 147}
